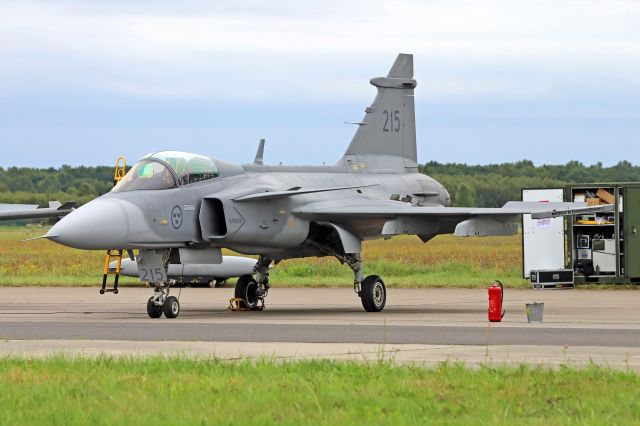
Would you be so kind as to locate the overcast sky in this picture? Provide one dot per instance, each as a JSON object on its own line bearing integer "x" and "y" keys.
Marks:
{"x": 83, "y": 81}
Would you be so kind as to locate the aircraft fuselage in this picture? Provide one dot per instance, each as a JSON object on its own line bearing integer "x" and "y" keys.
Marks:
{"x": 207, "y": 213}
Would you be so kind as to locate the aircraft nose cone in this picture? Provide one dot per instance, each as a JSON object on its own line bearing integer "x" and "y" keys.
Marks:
{"x": 98, "y": 225}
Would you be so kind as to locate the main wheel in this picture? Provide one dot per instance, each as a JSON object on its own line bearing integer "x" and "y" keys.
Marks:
{"x": 373, "y": 294}
{"x": 247, "y": 289}
{"x": 171, "y": 307}
{"x": 153, "y": 310}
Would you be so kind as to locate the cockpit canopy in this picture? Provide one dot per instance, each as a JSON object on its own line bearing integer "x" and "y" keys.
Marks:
{"x": 189, "y": 168}
{"x": 166, "y": 170}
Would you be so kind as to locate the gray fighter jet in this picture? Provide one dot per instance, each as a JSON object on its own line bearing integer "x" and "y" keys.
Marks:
{"x": 31, "y": 211}
{"x": 179, "y": 208}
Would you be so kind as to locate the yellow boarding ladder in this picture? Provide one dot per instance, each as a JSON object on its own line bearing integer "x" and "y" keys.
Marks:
{"x": 111, "y": 256}
{"x": 118, "y": 174}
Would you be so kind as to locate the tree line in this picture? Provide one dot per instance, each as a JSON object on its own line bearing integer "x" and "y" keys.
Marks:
{"x": 23, "y": 185}
{"x": 469, "y": 185}
{"x": 495, "y": 184}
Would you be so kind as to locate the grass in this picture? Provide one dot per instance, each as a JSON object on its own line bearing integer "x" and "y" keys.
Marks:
{"x": 42, "y": 262}
{"x": 174, "y": 391}
{"x": 402, "y": 262}
{"x": 445, "y": 261}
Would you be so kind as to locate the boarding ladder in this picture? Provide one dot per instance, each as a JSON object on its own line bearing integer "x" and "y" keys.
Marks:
{"x": 111, "y": 256}
{"x": 118, "y": 174}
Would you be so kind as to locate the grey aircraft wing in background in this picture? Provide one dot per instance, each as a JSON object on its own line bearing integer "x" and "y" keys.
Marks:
{"x": 179, "y": 208}
{"x": 31, "y": 211}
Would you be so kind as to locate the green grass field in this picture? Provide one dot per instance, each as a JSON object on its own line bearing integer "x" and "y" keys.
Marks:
{"x": 173, "y": 392}
{"x": 402, "y": 262}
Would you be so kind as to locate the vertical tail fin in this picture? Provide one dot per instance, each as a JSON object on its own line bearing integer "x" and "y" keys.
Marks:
{"x": 386, "y": 137}
{"x": 259, "y": 153}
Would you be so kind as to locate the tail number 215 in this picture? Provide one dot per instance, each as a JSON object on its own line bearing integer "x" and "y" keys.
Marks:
{"x": 391, "y": 121}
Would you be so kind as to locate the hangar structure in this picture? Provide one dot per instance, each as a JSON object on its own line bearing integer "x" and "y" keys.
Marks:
{"x": 601, "y": 247}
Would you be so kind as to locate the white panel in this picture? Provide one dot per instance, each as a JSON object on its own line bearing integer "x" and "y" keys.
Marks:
{"x": 542, "y": 239}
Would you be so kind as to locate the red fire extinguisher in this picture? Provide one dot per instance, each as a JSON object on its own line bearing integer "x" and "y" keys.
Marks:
{"x": 496, "y": 295}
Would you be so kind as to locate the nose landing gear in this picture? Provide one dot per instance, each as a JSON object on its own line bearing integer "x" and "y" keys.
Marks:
{"x": 154, "y": 310}
{"x": 152, "y": 267}
{"x": 161, "y": 303}
{"x": 171, "y": 307}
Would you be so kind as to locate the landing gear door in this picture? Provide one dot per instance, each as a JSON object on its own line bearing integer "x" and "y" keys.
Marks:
{"x": 151, "y": 265}
{"x": 542, "y": 239}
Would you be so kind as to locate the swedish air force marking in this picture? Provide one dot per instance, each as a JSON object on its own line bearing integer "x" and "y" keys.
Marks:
{"x": 176, "y": 217}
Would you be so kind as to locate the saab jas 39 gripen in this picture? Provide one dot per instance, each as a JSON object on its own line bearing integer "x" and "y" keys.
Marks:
{"x": 179, "y": 208}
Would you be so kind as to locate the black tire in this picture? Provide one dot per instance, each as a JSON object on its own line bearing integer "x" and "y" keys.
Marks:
{"x": 171, "y": 307}
{"x": 153, "y": 310}
{"x": 246, "y": 289}
{"x": 373, "y": 294}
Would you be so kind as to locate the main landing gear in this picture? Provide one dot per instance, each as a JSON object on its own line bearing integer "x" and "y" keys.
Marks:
{"x": 373, "y": 294}
{"x": 371, "y": 290}
{"x": 161, "y": 303}
{"x": 250, "y": 291}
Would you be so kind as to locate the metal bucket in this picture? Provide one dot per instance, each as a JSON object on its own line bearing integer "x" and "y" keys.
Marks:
{"x": 535, "y": 312}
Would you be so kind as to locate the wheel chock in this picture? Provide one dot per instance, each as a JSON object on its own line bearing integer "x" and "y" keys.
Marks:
{"x": 238, "y": 304}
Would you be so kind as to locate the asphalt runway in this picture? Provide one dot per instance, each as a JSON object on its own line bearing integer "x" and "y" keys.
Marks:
{"x": 318, "y": 333}
{"x": 600, "y": 322}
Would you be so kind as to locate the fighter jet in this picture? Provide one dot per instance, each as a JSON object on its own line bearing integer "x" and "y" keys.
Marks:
{"x": 31, "y": 211}
{"x": 175, "y": 207}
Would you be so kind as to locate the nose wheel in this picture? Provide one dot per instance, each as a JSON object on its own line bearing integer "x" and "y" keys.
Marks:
{"x": 171, "y": 308}
{"x": 153, "y": 310}
{"x": 161, "y": 303}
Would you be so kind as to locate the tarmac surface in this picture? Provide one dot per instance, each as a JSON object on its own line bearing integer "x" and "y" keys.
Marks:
{"x": 417, "y": 325}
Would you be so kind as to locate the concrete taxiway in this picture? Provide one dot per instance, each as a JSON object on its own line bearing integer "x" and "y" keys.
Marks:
{"x": 418, "y": 325}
